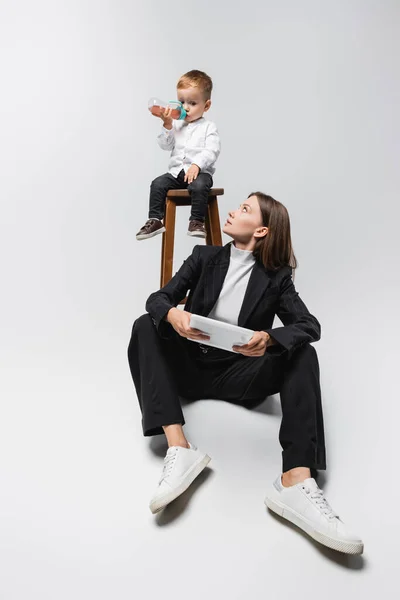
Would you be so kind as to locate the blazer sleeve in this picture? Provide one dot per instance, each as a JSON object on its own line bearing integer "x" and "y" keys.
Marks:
{"x": 299, "y": 325}
{"x": 159, "y": 303}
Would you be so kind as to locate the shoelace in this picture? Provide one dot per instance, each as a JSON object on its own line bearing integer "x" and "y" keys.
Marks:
{"x": 319, "y": 499}
{"x": 169, "y": 461}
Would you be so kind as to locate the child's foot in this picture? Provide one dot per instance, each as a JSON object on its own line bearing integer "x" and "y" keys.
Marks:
{"x": 181, "y": 467}
{"x": 305, "y": 505}
{"x": 151, "y": 228}
{"x": 197, "y": 229}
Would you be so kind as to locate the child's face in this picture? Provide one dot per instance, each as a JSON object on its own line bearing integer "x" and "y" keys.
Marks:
{"x": 193, "y": 102}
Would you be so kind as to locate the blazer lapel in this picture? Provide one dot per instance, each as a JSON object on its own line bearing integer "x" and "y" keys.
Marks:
{"x": 258, "y": 283}
{"x": 216, "y": 271}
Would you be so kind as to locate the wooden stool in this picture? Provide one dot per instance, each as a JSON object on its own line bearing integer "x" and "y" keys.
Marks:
{"x": 213, "y": 229}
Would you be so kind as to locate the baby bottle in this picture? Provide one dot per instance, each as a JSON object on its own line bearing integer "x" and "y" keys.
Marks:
{"x": 178, "y": 112}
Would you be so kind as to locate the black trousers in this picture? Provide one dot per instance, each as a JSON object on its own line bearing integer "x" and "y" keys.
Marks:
{"x": 165, "y": 368}
{"x": 199, "y": 191}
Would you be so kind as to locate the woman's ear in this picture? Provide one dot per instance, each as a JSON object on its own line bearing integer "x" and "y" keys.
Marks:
{"x": 207, "y": 105}
{"x": 260, "y": 232}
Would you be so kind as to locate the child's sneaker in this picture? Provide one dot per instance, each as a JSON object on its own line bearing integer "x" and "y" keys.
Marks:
{"x": 151, "y": 228}
{"x": 181, "y": 467}
{"x": 197, "y": 229}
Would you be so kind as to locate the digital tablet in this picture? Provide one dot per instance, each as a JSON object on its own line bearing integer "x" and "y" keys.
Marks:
{"x": 222, "y": 335}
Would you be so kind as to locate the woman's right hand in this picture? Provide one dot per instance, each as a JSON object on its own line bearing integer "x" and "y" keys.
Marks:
{"x": 165, "y": 116}
{"x": 180, "y": 321}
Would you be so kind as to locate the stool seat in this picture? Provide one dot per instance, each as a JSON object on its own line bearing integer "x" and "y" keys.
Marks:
{"x": 212, "y": 224}
{"x": 185, "y": 194}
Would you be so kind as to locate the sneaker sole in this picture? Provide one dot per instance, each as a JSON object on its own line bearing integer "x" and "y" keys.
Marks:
{"x": 336, "y": 544}
{"x": 197, "y": 234}
{"x": 190, "y": 476}
{"x": 150, "y": 235}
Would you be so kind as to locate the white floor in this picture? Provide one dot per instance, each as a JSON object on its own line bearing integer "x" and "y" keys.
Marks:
{"x": 77, "y": 155}
{"x": 77, "y": 476}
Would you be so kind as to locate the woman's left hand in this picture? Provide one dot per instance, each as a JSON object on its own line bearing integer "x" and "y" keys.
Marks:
{"x": 256, "y": 346}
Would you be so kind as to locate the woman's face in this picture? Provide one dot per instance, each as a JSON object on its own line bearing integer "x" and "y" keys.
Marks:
{"x": 243, "y": 223}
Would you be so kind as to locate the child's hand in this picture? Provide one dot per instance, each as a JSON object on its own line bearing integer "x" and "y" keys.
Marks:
{"x": 192, "y": 173}
{"x": 165, "y": 116}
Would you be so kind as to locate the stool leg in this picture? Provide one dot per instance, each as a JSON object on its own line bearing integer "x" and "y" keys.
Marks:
{"x": 208, "y": 227}
{"x": 213, "y": 226}
{"x": 167, "y": 251}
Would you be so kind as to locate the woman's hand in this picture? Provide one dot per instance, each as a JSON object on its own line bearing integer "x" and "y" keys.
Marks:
{"x": 257, "y": 345}
{"x": 180, "y": 321}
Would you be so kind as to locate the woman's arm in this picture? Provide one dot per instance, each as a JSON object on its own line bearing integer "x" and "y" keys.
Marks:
{"x": 159, "y": 303}
{"x": 299, "y": 325}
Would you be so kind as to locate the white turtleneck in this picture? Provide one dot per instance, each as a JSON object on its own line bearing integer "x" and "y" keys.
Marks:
{"x": 229, "y": 303}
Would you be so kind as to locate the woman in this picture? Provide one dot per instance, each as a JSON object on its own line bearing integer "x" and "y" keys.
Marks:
{"x": 246, "y": 283}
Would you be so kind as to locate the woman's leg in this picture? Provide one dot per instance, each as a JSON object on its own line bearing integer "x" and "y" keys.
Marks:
{"x": 175, "y": 436}
{"x": 295, "y": 495}
{"x": 302, "y": 429}
{"x": 297, "y": 379}
{"x": 160, "y": 369}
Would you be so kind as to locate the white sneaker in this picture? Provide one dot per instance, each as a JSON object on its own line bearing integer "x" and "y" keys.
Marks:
{"x": 181, "y": 467}
{"x": 304, "y": 505}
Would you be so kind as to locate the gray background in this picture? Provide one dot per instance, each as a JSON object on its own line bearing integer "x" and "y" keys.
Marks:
{"x": 306, "y": 100}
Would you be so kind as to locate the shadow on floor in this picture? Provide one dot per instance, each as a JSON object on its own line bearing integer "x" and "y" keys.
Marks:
{"x": 270, "y": 406}
{"x": 173, "y": 511}
{"x": 347, "y": 561}
{"x": 158, "y": 445}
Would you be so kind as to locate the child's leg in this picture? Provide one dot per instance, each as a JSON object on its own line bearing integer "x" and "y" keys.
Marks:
{"x": 158, "y": 191}
{"x": 199, "y": 190}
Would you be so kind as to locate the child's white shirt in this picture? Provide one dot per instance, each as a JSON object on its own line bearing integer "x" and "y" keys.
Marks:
{"x": 191, "y": 143}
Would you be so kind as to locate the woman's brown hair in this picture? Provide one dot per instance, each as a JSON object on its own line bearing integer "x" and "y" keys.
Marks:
{"x": 274, "y": 250}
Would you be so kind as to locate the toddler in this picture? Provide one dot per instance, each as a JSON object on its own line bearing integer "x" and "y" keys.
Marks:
{"x": 195, "y": 146}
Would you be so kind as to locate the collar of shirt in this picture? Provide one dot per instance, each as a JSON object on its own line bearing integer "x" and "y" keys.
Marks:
{"x": 243, "y": 256}
{"x": 183, "y": 124}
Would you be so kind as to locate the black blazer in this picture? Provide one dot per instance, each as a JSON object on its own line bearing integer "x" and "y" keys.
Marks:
{"x": 268, "y": 293}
